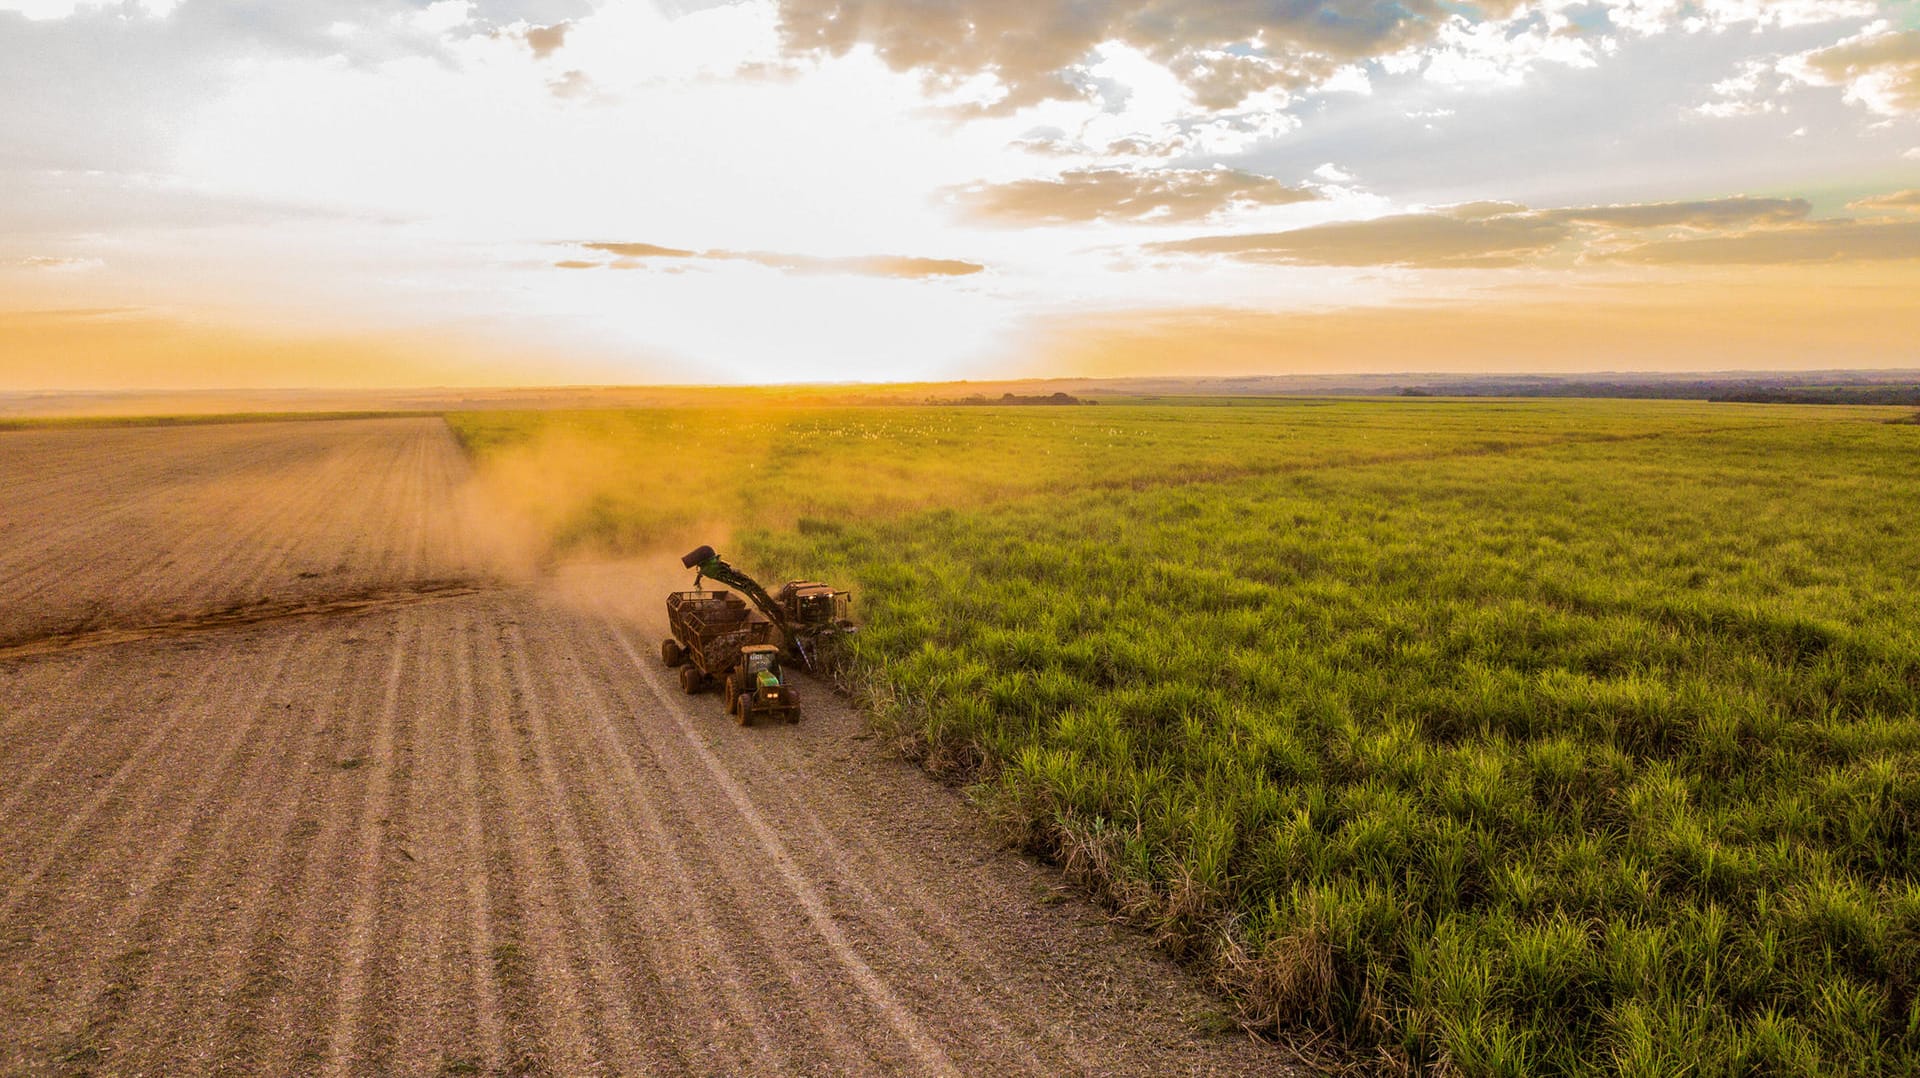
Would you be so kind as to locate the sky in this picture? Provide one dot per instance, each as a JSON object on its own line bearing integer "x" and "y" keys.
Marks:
{"x": 215, "y": 193}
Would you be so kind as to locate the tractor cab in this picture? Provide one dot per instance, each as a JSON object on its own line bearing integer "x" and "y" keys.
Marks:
{"x": 760, "y": 663}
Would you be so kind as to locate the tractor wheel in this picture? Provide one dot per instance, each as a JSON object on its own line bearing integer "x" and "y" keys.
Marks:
{"x": 734, "y": 689}
{"x": 671, "y": 652}
{"x": 791, "y": 701}
{"x": 743, "y": 708}
{"x": 690, "y": 680}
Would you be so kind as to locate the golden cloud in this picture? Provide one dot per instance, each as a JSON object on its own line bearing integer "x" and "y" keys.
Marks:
{"x": 1419, "y": 240}
{"x": 1881, "y": 71}
{"x": 1224, "y": 50}
{"x": 632, "y": 255}
{"x": 544, "y": 39}
{"x": 1818, "y": 241}
{"x": 1118, "y": 194}
{"x": 1898, "y": 200}
{"x": 1707, "y": 214}
{"x": 1493, "y": 235}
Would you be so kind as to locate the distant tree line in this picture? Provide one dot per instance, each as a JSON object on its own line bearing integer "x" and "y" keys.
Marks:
{"x": 1012, "y": 398}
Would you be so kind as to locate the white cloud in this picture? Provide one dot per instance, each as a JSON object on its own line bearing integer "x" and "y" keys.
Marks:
{"x": 442, "y": 16}
{"x": 1644, "y": 18}
{"x": 43, "y": 10}
{"x": 1351, "y": 79}
{"x": 1743, "y": 93}
{"x": 1333, "y": 173}
{"x": 1468, "y": 54}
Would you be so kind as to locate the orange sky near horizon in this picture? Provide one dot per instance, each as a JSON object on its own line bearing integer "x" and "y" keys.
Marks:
{"x": 395, "y": 193}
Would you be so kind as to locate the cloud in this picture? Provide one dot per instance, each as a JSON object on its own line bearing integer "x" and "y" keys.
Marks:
{"x": 1898, "y": 200}
{"x": 1879, "y": 69}
{"x": 1492, "y": 235}
{"x": 1116, "y": 194}
{"x": 1817, "y": 241}
{"x": 1706, "y": 214}
{"x": 544, "y": 40}
{"x": 631, "y": 255}
{"x": 1421, "y": 240}
{"x": 50, "y": 264}
{"x": 1223, "y": 51}
{"x": 640, "y": 250}
{"x": 42, "y": 10}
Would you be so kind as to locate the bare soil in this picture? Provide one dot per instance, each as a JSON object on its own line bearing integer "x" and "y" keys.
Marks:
{"x": 414, "y": 820}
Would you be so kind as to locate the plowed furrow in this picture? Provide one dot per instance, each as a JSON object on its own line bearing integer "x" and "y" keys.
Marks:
{"x": 134, "y": 780}
{"x": 295, "y": 971}
{"x": 58, "y": 709}
{"x": 177, "y": 871}
{"x": 621, "y": 1015}
{"x": 542, "y": 950}
{"x": 473, "y": 868}
{"x": 376, "y": 817}
{"x": 210, "y": 946}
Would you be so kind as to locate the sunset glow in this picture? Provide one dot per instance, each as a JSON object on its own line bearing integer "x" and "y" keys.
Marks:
{"x": 208, "y": 193}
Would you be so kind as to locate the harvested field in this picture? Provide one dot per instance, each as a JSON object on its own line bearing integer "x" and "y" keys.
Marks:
{"x": 470, "y": 828}
{"x": 112, "y": 528}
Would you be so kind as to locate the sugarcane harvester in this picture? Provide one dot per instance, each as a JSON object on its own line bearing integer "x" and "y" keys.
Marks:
{"x": 716, "y": 638}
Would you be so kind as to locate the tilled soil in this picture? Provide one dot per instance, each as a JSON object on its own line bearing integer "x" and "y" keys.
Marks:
{"x": 482, "y": 831}
{"x": 126, "y": 526}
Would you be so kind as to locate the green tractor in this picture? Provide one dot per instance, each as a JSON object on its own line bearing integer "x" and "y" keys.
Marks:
{"x": 757, "y": 687}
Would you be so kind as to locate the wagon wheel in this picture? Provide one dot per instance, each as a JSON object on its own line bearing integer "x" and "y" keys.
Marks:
{"x": 689, "y": 680}
{"x": 671, "y": 652}
{"x": 743, "y": 708}
{"x": 792, "y": 701}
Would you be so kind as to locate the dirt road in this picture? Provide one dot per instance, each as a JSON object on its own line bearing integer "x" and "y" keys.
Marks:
{"x": 478, "y": 830}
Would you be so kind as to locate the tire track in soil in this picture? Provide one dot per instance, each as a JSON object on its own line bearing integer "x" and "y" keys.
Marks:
{"x": 930, "y": 1054}
{"x": 930, "y": 944}
{"x": 662, "y": 870}
{"x": 743, "y": 897}
{"x": 595, "y": 953}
